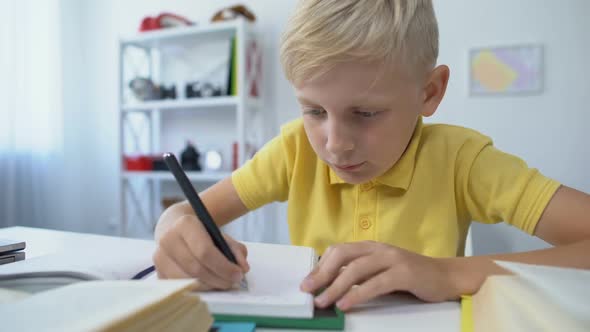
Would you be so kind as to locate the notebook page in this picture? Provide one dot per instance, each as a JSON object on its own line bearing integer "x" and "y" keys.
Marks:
{"x": 276, "y": 271}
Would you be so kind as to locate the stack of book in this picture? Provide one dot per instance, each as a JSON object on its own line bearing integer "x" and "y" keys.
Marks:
{"x": 534, "y": 298}
{"x": 107, "y": 306}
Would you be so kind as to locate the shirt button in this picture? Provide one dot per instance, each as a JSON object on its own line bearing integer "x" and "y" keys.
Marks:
{"x": 365, "y": 223}
{"x": 367, "y": 186}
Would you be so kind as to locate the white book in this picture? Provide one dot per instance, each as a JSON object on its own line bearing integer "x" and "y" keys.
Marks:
{"x": 276, "y": 271}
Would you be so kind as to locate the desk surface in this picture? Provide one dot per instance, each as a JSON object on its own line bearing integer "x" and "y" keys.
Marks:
{"x": 388, "y": 313}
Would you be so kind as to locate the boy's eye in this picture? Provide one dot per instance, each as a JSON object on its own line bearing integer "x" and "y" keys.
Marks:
{"x": 315, "y": 112}
{"x": 366, "y": 114}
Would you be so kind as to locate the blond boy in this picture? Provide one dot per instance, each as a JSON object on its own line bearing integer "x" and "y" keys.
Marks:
{"x": 370, "y": 186}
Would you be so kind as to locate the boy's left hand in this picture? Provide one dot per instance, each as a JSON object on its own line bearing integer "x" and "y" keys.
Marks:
{"x": 356, "y": 272}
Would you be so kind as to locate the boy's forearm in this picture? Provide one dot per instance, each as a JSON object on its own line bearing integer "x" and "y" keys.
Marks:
{"x": 469, "y": 273}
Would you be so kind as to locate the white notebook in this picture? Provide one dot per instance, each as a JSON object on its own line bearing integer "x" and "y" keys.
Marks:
{"x": 276, "y": 271}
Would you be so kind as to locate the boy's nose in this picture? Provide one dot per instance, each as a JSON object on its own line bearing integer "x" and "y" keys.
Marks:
{"x": 339, "y": 140}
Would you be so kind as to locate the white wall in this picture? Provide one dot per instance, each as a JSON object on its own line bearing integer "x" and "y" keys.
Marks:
{"x": 90, "y": 117}
{"x": 546, "y": 130}
{"x": 74, "y": 125}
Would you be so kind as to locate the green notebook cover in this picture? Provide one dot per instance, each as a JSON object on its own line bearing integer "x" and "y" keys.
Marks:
{"x": 325, "y": 319}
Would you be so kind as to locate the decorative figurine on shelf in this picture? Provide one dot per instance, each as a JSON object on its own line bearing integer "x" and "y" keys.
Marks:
{"x": 233, "y": 12}
{"x": 189, "y": 159}
{"x": 144, "y": 89}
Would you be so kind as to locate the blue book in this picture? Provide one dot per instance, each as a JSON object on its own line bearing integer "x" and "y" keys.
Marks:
{"x": 233, "y": 327}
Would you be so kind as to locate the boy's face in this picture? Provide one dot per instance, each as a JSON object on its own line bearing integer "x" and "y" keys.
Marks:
{"x": 359, "y": 118}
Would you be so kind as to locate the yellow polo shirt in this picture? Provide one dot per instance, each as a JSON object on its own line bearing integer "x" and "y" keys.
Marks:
{"x": 447, "y": 177}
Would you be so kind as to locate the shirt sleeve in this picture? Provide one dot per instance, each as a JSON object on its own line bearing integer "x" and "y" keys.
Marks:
{"x": 264, "y": 178}
{"x": 499, "y": 187}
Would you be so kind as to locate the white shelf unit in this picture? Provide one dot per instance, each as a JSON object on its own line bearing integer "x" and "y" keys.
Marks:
{"x": 141, "y": 191}
{"x": 193, "y": 176}
{"x": 192, "y": 103}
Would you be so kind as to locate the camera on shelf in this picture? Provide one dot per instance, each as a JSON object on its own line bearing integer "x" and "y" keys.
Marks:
{"x": 199, "y": 89}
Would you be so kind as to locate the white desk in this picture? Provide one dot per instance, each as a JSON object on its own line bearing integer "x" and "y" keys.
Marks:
{"x": 389, "y": 313}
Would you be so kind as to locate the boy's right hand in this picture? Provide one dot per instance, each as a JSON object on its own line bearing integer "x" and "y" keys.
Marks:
{"x": 186, "y": 250}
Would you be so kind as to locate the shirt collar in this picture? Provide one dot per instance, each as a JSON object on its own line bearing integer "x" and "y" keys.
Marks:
{"x": 400, "y": 175}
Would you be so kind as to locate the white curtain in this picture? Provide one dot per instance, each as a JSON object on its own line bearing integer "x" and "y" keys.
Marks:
{"x": 31, "y": 116}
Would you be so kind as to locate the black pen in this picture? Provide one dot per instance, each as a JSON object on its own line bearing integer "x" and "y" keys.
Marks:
{"x": 200, "y": 210}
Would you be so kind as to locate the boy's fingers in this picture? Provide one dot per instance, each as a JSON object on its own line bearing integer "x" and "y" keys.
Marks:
{"x": 201, "y": 286}
{"x": 240, "y": 252}
{"x": 211, "y": 280}
{"x": 339, "y": 256}
{"x": 324, "y": 256}
{"x": 376, "y": 286}
{"x": 356, "y": 272}
{"x": 230, "y": 240}
{"x": 167, "y": 268}
{"x": 202, "y": 248}
{"x": 183, "y": 258}
{"x": 175, "y": 248}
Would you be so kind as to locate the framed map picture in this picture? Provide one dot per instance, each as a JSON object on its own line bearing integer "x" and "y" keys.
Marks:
{"x": 506, "y": 70}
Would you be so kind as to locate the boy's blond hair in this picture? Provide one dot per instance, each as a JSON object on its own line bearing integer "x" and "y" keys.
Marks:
{"x": 323, "y": 33}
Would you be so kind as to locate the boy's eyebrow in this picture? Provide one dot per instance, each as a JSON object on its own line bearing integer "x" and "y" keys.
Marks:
{"x": 305, "y": 101}
{"x": 365, "y": 102}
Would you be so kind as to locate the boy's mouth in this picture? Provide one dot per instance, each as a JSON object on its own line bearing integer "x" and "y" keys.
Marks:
{"x": 349, "y": 167}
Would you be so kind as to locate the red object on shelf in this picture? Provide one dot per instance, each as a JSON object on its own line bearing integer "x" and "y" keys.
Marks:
{"x": 149, "y": 23}
{"x": 164, "y": 20}
{"x": 138, "y": 163}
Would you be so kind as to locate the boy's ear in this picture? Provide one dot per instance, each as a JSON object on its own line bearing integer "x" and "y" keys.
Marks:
{"x": 434, "y": 90}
